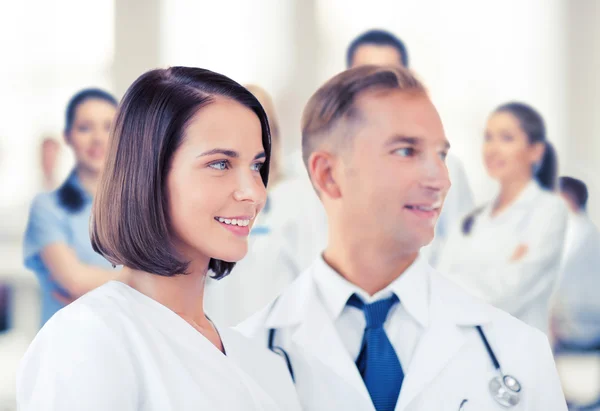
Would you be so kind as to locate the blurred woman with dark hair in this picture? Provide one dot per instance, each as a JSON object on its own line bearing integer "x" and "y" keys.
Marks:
{"x": 57, "y": 241}
{"x": 508, "y": 252}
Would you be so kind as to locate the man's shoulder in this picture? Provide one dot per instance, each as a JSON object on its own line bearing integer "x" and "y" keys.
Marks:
{"x": 500, "y": 321}
{"x": 282, "y": 311}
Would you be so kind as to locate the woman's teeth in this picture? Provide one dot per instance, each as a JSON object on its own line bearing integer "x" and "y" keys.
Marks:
{"x": 240, "y": 223}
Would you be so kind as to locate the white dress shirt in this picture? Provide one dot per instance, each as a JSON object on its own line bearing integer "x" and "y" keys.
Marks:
{"x": 405, "y": 321}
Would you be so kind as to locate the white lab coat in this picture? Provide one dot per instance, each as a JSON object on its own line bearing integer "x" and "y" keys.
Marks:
{"x": 449, "y": 365}
{"x": 117, "y": 349}
{"x": 481, "y": 261}
{"x": 576, "y": 308}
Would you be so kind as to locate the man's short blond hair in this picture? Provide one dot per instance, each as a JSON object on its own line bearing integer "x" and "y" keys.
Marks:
{"x": 334, "y": 102}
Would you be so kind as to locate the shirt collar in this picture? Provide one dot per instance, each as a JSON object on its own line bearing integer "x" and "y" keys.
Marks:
{"x": 411, "y": 288}
{"x": 74, "y": 180}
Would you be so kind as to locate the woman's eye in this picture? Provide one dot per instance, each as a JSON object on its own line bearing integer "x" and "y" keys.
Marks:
{"x": 220, "y": 165}
{"x": 257, "y": 166}
{"x": 507, "y": 137}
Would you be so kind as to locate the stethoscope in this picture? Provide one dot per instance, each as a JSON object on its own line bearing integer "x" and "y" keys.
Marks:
{"x": 504, "y": 388}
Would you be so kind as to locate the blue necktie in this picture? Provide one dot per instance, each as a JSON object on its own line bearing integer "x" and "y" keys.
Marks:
{"x": 377, "y": 361}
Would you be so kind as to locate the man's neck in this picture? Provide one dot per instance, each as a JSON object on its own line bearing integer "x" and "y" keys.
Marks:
{"x": 370, "y": 268}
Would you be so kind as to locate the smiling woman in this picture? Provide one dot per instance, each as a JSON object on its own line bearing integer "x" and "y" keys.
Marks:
{"x": 185, "y": 179}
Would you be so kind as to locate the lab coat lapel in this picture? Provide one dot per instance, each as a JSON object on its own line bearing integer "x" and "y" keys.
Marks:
{"x": 442, "y": 339}
{"x": 300, "y": 307}
{"x": 317, "y": 335}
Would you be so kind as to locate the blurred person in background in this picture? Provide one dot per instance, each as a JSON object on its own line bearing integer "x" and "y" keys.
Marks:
{"x": 576, "y": 312}
{"x": 508, "y": 252}
{"x": 57, "y": 243}
{"x": 50, "y": 150}
{"x": 186, "y": 176}
{"x": 261, "y": 275}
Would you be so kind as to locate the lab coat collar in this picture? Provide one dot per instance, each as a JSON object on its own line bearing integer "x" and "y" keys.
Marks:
{"x": 531, "y": 191}
{"x": 441, "y": 297}
{"x": 453, "y": 313}
{"x": 291, "y": 307}
{"x": 301, "y": 305}
{"x": 411, "y": 288}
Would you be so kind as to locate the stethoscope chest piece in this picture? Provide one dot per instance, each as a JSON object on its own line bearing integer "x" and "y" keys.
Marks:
{"x": 505, "y": 390}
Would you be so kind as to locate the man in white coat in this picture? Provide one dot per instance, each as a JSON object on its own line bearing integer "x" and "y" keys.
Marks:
{"x": 370, "y": 325}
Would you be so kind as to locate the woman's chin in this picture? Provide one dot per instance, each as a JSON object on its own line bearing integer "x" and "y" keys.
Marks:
{"x": 233, "y": 255}
{"x": 92, "y": 166}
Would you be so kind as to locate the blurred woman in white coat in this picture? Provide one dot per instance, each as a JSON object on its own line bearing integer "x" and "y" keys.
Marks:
{"x": 508, "y": 252}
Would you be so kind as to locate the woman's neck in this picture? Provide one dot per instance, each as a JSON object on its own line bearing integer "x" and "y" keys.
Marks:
{"x": 88, "y": 179}
{"x": 183, "y": 294}
{"x": 509, "y": 192}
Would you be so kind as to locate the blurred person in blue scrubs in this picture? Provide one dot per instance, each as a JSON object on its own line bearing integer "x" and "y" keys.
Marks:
{"x": 57, "y": 244}
{"x": 576, "y": 313}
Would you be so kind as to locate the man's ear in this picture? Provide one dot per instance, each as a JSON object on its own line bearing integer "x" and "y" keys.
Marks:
{"x": 321, "y": 168}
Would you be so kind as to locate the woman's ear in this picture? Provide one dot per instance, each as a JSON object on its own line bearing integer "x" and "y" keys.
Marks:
{"x": 538, "y": 151}
{"x": 321, "y": 168}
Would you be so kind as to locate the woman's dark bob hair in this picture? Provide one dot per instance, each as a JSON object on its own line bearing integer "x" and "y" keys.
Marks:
{"x": 130, "y": 222}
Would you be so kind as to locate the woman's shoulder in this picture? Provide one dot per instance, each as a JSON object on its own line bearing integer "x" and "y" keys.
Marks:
{"x": 81, "y": 334}
{"x": 100, "y": 314}
{"x": 81, "y": 357}
{"x": 552, "y": 203}
{"x": 45, "y": 202}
